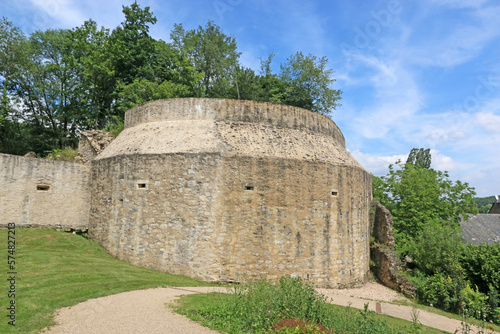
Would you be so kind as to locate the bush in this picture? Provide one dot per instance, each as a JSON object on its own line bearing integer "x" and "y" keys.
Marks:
{"x": 440, "y": 290}
{"x": 482, "y": 265}
{"x": 437, "y": 249}
{"x": 66, "y": 154}
{"x": 474, "y": 303}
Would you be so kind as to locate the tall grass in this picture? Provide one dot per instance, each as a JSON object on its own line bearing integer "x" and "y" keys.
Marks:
{"x": 257, "y": 306}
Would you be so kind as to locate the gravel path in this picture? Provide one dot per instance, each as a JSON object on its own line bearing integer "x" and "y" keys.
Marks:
{"x": 144, "y": 311}
{"x": 134, "y": 312}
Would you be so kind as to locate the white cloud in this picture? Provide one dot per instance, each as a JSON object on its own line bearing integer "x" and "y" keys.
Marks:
{"x": 396, "y": 97}
{"x": 377, "y": 164}
{"x": 61, "y": 10}
{"x": 457, "y": 42}
{"x": 461, "y": 3}
{"x": 489, "y": 121}
{"x": 442, "y": 162}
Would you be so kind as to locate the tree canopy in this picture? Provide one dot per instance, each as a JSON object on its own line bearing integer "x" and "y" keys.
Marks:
{"x": 418, "y": 196}
{"x": 59, "y": 82}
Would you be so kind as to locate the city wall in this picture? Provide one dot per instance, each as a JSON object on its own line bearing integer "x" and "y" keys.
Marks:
{"x": 43, "y": 193}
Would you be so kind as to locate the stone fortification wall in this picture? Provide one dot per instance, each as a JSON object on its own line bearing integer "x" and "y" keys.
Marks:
{"x": 224, "y": 189}
{"x": 388, "y": 267}
{"x": 234, "y": 111}
{"x": 39, "y": 192}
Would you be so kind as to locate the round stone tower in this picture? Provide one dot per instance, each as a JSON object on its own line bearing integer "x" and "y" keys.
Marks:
{"x": 225, "y": 189}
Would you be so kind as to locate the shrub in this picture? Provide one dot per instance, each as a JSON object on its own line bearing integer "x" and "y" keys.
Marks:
{"x": 440, "y": 291}
{"x": 437, "y": 249}
{"x": 482, "y": 265}
{"x": 66, "y": 154}
{"x": 474, "y": 303}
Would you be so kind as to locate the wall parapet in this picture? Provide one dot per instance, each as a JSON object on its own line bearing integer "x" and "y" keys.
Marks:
{"x": 225, "y": 110}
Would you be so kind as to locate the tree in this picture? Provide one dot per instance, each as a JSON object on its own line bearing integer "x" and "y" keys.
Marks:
{"x": 417, "y": 196}
{"x": 143, "y": 90}
{"x": 91, "y": 51}
{"x": 13, "y": 45}
{"x": 48, "y": 85}
{"x": 212, "y": 53}
{"x": 170, "y": 64}
{"x": 420, "y": 158}
{"x": 309, "y": 83}
{"x": 132, "y": 45}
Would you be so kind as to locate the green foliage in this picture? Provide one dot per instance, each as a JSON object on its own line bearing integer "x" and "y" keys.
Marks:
{"x": 92, "y": 51}
{"x": 474, "y": 303}
{"x": 439, "y": 290}
{"x": 420, "y": 158}
{"x": 447, "y": 270}
{"x": 132, "y": 46}
{"x": 435, "y": 250}
{"x": 298, "y": 326}
{"x": 484, "y": 203}
{"x": 212, "y": 53}
{"x": 59, "y": 82}
{"x": 482, "y": 265}
{"x": 65, "y": 154}
{"x": 259, "y": 306}
{"x": 143, "y": 90}
{"x": 419, "y": 196}
{"x": 309, "y": 81}
{"x": 116, "y": 127}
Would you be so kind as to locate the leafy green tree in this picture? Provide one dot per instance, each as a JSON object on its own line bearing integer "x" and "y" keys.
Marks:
{"x": 132, "y": 45}
{"x": 484, "y": 203}
{"x": 91, "y": 52}
{"x": 436, "y": 249}
{"x": 418, "y": 196}
{"x": 13, "y": 44}
{"x": 310, "y": 82}
{"x": 170, "y": 64}
{"x": 143, "y": 90}
{"x": 49, "y": 88}
{"x": 420, "y": 158}
{"x": 482, "y": 265}
{"x": 212, "y": 53}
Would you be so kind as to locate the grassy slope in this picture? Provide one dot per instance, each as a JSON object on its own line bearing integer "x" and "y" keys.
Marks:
{"x": 56, "y": 269}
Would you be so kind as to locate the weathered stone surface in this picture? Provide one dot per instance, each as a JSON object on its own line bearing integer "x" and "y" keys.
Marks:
{"x": 30, "y": 155}
{"x": 381, "y": 224}
{"x": 92, "y": 143}
{"x": 224, "y": 189}
{"x": 40, "y": 192}
{"x": 388, "y": 267}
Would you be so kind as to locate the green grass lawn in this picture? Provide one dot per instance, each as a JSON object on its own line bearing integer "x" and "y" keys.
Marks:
{"x": 57, "y": 269}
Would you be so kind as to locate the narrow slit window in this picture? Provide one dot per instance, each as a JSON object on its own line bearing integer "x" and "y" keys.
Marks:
{"x": 42, "y": 187}
{"x": 142, "y": 185}
{"x": 250, "y": 188}
{"x": 335, "y": 192}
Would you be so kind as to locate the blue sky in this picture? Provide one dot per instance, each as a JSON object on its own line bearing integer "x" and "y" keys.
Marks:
{"x": 413, "y": 73}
